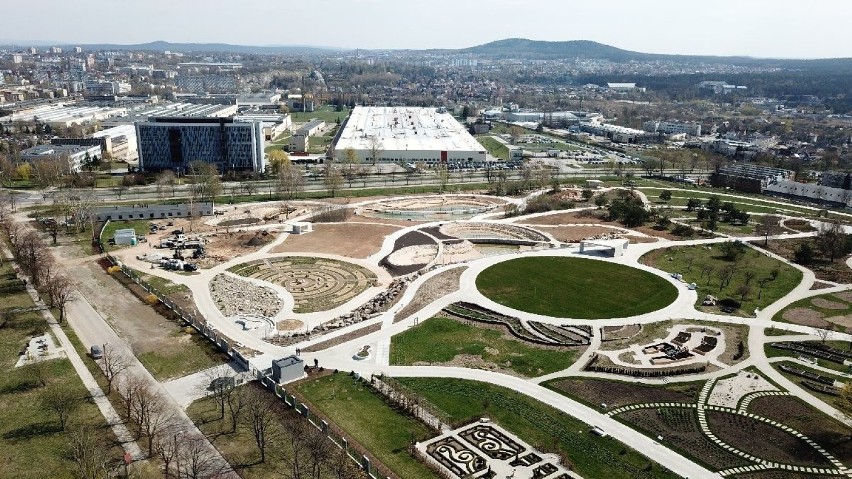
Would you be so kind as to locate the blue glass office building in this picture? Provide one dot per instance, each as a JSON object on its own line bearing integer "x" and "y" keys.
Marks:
{"x": 174, "y": 143}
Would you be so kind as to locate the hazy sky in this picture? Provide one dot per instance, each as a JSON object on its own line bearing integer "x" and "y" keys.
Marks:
{"x": 764, "y": 28}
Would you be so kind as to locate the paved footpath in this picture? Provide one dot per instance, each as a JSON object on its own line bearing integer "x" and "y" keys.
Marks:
{"x": 122, "y": 434}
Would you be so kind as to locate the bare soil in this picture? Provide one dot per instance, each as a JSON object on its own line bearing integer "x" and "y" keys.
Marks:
{"x": 435, "y": 287}
{"x": 805, "y": 317}
{"x": 828, "y": 304}
{"x": 616, "y": 394}
{"x": 353, "y": 240}
{"x": 222, "y": 247}
{"x": 329, "y": 343}
{"x": 680, "y": 428}
{"x": 829, "y": 433}
{"x": 774, "y": 444}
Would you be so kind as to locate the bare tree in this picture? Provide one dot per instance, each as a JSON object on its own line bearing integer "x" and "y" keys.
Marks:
{"x": 196, "y": 460}
{"x": 151, "y": 413}
{"x": 442, "y": 174}
{"x": 824, "y": 331}
{"x": 62, "y": 400}
{"x": 333, "y": 179}
{"x": 375, "y": 147}
{"x": 89, "y": 452}
{"x": 768, "y": 225}
{"x": 289, "y": 181}
{"x": 128, "y": 388}
{"x": 61, "y": 291}
{"x": 236, "y": 405}
{"x": 113, "y": 363}
{"x": 220, "y": 382}
{"x": 260, "y": 410}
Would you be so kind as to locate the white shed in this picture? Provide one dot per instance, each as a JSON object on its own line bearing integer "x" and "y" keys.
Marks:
{"x": 125, "y": 236}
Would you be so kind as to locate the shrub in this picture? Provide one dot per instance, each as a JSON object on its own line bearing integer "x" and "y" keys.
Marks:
{"x": 683, "y": 231}
{"x": 330, "y": 214}
{"x": 152, "y": 299}
{"x": 113, "y": 270}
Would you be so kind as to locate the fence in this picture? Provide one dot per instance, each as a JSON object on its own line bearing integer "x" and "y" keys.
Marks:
{"x": 338, "y": 440}
{"x": 225, "y": 344}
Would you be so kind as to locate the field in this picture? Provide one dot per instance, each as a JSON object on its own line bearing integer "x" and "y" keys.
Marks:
{"x": 542, "y": 426}
{"x": 366, "y": 418}
{"x": 326, "y": 113}
{"x": 447, "y": 341}
{"x": 706, "y": 266}
{"x": 575, "y": 288}
{"x": 833, "y": 309}
{"x": 355, "y": 240}
{"x": 31, "y": 442}
{"x": 614, "y": 394}
{"x": 824, "y": 269}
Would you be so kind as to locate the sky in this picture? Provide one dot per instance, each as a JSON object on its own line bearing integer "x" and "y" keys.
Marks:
{"x": 760, "y": 28}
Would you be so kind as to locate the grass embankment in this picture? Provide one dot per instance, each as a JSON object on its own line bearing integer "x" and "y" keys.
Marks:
{"x": 575, "y": 288}
{"x": 494, "y": 147}
{"x": 32, "y": 444}
{"x": 440, "y": 340}
{"x": 367, "y": 419}
{"x": 540, "y": 425}
{"x": 707, "y": 267}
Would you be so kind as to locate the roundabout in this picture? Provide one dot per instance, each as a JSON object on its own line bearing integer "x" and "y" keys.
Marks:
{"x": 570, "y": 287}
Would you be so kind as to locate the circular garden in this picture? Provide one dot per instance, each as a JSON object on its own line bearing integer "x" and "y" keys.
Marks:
{"x": 575, "y": 288}
{"x": 317, "y": 284}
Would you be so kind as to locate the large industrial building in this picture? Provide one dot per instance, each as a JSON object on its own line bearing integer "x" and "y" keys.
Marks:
{"x": 407, "y": 135}
{"x": 174, "y": 143}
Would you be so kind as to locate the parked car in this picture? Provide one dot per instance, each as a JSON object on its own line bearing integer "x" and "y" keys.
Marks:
{"x": 96, "y": 352}
{"x": 190, "y": 267}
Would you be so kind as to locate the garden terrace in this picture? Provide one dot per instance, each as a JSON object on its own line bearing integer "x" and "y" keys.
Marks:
{"x": 806, "y": 374}
{"x": 316, "y": 284}
{"x": 474, "y": 312}
{"x": 567, "y": 287}
{"x": 567, "y": 335}
{"x": 592, "y": 366}
{"x": 615, "y": 394}
{"x": 824, "y": 352}
{"x": 491, "y": 231}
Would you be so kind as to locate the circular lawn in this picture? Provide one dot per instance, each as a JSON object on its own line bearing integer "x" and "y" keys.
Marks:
{"x": 575, "y": 288}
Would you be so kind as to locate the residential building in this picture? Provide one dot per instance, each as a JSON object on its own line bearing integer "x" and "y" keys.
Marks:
{"x": 76, "y": 155}
{"x": 673, "y": 127}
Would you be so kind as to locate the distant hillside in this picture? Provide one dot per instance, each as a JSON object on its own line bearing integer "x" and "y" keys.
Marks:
{"x": 521, "y": 47}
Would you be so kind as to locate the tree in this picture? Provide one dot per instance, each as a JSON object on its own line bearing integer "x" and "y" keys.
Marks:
{"x": 692, "y": 204}
{"x": 220, "y": 382}
{"x": 844, "y": 400}
{"x": 237, "y": 400}
{"x": 666, "y": 195}
{"x": 601, "y": 200}
{"x": 587, "y": 194}
{"x": 197, "y": 459}
{"x": 824, "y": 331}
{"x": 651, "y": 165}
{"x": 260, "y": 410}
{"x": 151, "y": 413}
{"x": 767, "y": 226}
{"x": 207, "y": 185}
{"x": 89, "y": 452}
{"x": 165, "y": 179}
{"x": 289, "y": 181}
{"x": 375, "y": 147}
{"x": 732, "y": 250}
{"x": 277, "y": 159}
{"x": 832, "y": 241}
{"x": 333, "y": 179}
{"x": 113, "y": 363}
{"x": 61, "y": 399}
{"x": 804, "y": 254}
{"x": 443, "y": 177}
{"x": 61, "y": 291}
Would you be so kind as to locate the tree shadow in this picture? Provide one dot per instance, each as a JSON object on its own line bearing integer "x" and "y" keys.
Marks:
{"x": 19, "y": 386}
{"x": 32, "y": 430}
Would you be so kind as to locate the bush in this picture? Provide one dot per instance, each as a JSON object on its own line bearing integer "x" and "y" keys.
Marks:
{"x": 683, "y": 231}
{"x": 152, "y": 299}
{"x": 330, "y": 214}
{"x": 113, "y": 270}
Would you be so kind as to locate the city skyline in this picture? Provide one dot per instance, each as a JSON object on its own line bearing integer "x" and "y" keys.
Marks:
{"x": 757, "y": 28}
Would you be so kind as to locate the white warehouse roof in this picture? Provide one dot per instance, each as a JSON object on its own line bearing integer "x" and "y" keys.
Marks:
{"x": 405, "y": 129}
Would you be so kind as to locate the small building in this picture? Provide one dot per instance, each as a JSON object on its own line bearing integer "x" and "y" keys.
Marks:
{"x": 287, "y": 369}
{"x": 594, "y": 184}
{"x": 153, "y": 212}
{"x": 612, "y": 248}
{"x": 300, "y": 227}
{"x": 125, "y": 237}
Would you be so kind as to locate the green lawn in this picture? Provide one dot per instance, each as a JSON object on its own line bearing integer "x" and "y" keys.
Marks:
{"x": 366, "y": 418}
{"x": 575, "y": 288}
{"x": 494, "y": 147}
{"x": 439, "y": 340}
{"x": 31, "y": 443}
{"x": 141, "y": 226}
{"x": 189, "y": 353}
{"x": 540, "y": 425}
{"x": 326, "y": 113}
{"x": 705, "y": 267}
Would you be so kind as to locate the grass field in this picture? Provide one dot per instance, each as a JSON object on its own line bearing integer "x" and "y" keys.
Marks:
{"x": 31, "y": 442}
{"x": 494, "y": 147}
{"x": 542, "y": 426}
{"x": 575, "y": 288}
{"x": 439, "y": 340}
{"x": 369, "y": 420}
{"x": 706, "y": 266}
{"x": 326, "y": 113}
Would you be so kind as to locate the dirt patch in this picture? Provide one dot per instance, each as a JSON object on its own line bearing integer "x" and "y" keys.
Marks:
{"x": 828, "y": 304}
{"x": 804, "y": 316}
{"x": 824, "y": 430}
{"x": 844, "y": 295}
{"x": 412, "y": 238}
{"x": 329, "y": 343}
{"x": 222, "y": 247}
{"x": 616, "y": 394}
{"x": 680, "y": 428}
{"x": 775, "y": 445}
{"x": 575, "y": 234}
{"x": 821, "y": 285}
{"x": 353, "y": 240}
{"x": 435, "y": 287}
{"x": 290, "y": 325}
{"x": 845, "y": 322}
